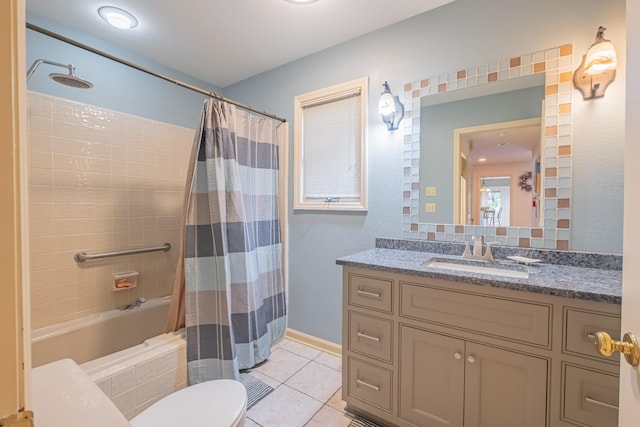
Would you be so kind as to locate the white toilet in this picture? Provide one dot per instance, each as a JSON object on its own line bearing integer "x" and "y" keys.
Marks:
{"x": 65, "y": 396}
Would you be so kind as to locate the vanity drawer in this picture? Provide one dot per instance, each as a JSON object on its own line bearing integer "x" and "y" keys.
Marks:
{"x": 589, "y": 397}
{"x": 370, "y": 292}
{"x": 370, "y": 384}
{"x": 370, "y": 336}
{"x": 580, "y": 327}
{"x": 521, "y": 321}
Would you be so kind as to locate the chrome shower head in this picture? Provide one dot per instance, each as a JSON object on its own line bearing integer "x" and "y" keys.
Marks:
{"x": 66, "y": 79}
{"x": 71, "y": 80}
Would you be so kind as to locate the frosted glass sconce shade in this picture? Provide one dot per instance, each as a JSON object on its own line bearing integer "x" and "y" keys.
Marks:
{"x": 390, "y": 108}
{"x": 598, "y": 68}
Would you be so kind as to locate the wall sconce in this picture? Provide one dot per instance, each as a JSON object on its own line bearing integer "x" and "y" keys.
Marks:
{"x": 390, "y": 108}
{"x": 598, "y": 68}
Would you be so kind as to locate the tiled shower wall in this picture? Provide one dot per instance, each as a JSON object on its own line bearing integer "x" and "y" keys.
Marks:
{"x": 100, "y": 181}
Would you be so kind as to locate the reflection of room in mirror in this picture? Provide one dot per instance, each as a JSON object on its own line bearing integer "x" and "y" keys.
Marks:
{"x": 549, "y": 201}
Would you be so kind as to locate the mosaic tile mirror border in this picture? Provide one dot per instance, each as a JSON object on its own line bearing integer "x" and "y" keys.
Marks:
{"x": 554, "y": 233}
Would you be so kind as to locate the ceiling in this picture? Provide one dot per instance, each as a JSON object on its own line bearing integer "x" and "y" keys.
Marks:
{"x": 503, "y": 144}
{"x": 226, "y": 41}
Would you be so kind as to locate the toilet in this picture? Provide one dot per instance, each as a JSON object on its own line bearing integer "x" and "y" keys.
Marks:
{"x": 65, "y": 396}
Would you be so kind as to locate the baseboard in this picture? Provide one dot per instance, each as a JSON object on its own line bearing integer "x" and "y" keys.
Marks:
{"x": 316, "y": 342}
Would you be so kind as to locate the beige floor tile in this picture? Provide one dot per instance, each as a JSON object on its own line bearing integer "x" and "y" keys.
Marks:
{"x": 282, "y": 364}
{"x": 301, "y": 349}
{"x": 329, "y": 360}
{"x": 284, "y": 407}
{"x": 316, "y": 380}
{"x": 329, "y": 417}
{"x": 336, "y": 401}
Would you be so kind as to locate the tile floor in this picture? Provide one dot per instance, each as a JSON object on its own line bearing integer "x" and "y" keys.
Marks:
{"x": 307, "y": 389}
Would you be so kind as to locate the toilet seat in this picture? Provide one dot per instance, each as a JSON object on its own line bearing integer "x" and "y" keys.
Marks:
{"x": 217, "y": 403}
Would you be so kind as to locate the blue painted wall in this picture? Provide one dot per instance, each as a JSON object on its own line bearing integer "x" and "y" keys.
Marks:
{"x": 455, "y": 36}
{"x": 116, "y": 86}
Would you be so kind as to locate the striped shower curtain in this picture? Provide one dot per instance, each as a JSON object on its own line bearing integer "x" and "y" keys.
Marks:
{"x": 232, "y": 286}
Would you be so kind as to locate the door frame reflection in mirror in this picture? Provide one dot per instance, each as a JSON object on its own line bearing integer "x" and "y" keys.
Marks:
{"x": 556, "y": 64}
{"x": 465, "y": 133}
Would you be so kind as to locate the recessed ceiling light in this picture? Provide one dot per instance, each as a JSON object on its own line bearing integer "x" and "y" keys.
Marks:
{"x": 503, "y": 144}
{"x": 301, "y": 1}
{"x": 482, "y": 159}
{"x": 118, "y": 18}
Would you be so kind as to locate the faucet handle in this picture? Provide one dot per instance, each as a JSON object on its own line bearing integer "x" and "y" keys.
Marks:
{"x": 487, "y": 253}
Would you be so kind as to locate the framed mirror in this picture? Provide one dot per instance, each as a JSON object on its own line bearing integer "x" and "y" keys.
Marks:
{"x": 444, "y": 196}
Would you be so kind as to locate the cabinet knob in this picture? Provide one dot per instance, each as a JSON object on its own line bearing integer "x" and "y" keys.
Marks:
{"x": 471, "y": 359}
{"x": 457, "y": 356}
{"x": 628, "y": 346}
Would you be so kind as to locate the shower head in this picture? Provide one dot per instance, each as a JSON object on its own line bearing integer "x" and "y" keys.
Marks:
{"x": 66, "y": 79}
{"x": 71, "y": 80}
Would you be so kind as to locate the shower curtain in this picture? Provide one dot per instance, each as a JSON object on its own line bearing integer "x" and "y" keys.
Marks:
{"x": 229, "y": 291}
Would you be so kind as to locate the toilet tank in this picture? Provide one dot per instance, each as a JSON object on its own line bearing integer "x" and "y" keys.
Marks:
{"x": 64, "y": 396}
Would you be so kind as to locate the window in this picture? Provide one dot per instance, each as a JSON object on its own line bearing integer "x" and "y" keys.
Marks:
{"x": 330, "y": 170}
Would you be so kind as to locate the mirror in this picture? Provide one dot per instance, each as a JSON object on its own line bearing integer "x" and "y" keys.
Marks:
{"x": 491, "y": 135}
{"x": 441, "y": 175}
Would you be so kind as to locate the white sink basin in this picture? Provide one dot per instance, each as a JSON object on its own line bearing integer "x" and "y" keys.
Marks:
{"x": 512, "y": 271}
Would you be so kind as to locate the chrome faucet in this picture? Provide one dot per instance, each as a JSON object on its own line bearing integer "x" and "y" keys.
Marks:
{"x": 134, "y": 304}
{"x": 477, "y": 250}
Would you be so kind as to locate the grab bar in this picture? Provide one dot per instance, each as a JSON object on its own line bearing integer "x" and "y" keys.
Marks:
{"x": 83, "y": 256}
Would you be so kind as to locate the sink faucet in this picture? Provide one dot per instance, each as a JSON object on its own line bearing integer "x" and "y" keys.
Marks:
{"x": 477, "y": 250}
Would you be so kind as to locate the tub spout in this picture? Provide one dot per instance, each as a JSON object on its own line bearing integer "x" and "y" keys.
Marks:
{"x": 134, "y": 304}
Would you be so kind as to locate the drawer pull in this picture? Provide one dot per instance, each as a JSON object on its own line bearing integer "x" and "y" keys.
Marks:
{"x": 457, "y": 356}
{"x": 369, "y": 294}
{"x": 369, "y": 337}
{"x": 471, "y": 359}
{"x": 371, "y": 386}
{"x": 591, "y": 336}
{"x": 597, "y": 402}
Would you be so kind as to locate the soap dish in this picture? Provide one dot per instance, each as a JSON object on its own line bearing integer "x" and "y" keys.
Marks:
{"x": 523, "y": 260}
{"x": 127, "y": 280}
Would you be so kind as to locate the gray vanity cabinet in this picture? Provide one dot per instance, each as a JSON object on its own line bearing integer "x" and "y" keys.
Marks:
{"x": 423, "y": 352}
{"x": 443, "y": 379}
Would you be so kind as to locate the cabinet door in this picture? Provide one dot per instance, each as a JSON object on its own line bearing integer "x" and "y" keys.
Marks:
{"x": 504, "y": 388}
{"x": 431, "y": 379}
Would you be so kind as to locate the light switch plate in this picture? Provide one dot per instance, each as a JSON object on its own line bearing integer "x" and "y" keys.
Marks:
{"x": 430, "y": 207}
{"x": 431, "y": 191}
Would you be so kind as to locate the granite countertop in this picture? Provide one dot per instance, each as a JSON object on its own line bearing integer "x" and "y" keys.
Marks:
{"x": 595, "y": 284}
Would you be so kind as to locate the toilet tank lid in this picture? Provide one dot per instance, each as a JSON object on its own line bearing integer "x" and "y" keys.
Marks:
{"x": 64, "y": 396}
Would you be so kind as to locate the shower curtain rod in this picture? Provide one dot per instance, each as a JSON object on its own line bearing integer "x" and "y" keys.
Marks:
{"x": 148, "y": 71}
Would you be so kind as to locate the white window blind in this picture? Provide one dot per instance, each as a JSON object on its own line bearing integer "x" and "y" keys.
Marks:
{"x": 330, "y": 148}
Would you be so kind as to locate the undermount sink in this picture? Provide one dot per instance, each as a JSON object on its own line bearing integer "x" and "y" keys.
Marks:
{"x": 479, "y": 267}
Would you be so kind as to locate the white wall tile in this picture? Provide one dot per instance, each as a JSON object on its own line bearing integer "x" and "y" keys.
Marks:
{"x": 84, "y": 161}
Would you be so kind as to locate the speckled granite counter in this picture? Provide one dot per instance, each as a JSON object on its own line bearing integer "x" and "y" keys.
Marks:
{"x": 595, "y": 284}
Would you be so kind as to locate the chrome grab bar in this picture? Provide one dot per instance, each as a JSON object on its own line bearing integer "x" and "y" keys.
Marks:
{"x": 82, "y": 256}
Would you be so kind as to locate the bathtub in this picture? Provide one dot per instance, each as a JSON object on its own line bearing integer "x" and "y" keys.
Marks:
{"x": 96, "y": 335}
{"x": 125, "y": 352}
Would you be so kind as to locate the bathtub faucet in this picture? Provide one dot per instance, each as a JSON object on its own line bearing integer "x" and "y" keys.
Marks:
{"x": 134, "y": 304}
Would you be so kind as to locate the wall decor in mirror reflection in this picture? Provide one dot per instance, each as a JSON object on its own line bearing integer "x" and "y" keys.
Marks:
{"x": 454, "y": 161}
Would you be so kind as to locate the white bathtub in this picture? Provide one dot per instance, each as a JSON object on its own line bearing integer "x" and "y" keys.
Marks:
{"x": 91, "y": 337}
{"x": 125, "y": 352}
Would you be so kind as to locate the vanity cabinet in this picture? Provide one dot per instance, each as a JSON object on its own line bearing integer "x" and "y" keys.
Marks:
{"x": 422, "y": 352}
{"x": 477, "y": 385}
